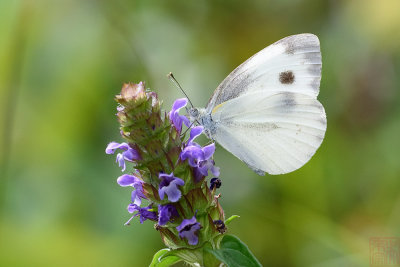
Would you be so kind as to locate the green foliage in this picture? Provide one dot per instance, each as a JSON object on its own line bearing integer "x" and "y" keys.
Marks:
{"x": 235, "y": 253}
{"x": 230, "y": 219}
{"x": 190, "y": 256}
{"x": 231, "y": 251}
{"x": 160, "y": 261}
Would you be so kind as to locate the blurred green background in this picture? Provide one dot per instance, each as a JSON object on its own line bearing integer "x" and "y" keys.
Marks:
{"x": 62, "y": 62}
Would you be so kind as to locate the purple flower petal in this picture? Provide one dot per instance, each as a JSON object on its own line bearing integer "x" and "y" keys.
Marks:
{"x": 188, "y": 229}
{"x": 137, "y": 194}
{"x": 178, "y": 181}
{"x": 169, "y": 185}
{"x": 203, "y": 169}
{"x": 199, "y": 158}
{"x": 161, "y": 193}
{"x": 135, "y": 198}
{"x": 131, "y": 154}
{"x": 121, "y": 161}
{"x": 197, "y": 175}
{"x": 196, "y": 131}
{"x": 128, "y": 153}
{"x": 110, "y": 149}
{"x": 186, "y": 222}
{"x": 215, "y": 171}
{"x": 173, "y": 193}
{"x": 191, "y": 235}
{"x": 179, "y": 103}
{"x": 114, "y": 145}
{"x": 144, "y": 213}
{"x": 139, "y": 189}
{"x": 132, "y": 208}
{"x": 208, "y": 151}
{"x": 206, "y": 165}
{"x": 166, "y": 213}
{"x": 191, "y": 151}
{"x": 128, "y": 180}
{"x": 131, "y": 180}
{"x": 174, "y": 116}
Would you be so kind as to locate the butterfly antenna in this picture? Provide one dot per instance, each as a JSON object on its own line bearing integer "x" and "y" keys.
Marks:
{"x": 190, "y": 127}
{"x": 172, "y": 78}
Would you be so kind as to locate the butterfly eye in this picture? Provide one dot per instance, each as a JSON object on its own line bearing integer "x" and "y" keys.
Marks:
{"x": 194, "y": 112}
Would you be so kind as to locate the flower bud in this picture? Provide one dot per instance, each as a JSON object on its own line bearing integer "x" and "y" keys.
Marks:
{"x": 132, "y": 91}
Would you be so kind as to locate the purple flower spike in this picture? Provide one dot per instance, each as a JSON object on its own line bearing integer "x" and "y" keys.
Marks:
{"x": 169, "y": 185}
{"x": 188, "y": 229}
{"x": 129, "y": 153}
{"x": 144, "y": 213}
{"x": 130, "y": 180}
{"x": 174, "y": 116}
{"x": 166, "y": 213}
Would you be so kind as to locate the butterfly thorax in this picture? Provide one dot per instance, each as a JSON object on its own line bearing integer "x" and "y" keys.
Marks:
{"x": 203, "y": 118}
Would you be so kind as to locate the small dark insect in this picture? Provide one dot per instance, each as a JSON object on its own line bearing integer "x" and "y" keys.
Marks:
{"x": 219, "y": 224}
{"x": 215, "y": 183}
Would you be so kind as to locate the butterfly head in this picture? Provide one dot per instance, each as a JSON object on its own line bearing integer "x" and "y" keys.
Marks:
{"x": 193, "y": 113}
{"x": 196, "y": 114}
{"x": 200, "y": 116}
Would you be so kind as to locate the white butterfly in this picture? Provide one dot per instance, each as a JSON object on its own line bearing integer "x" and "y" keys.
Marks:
{"x": 266, "y": 111}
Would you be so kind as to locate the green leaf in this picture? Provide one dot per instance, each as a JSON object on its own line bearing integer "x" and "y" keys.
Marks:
{"x": 228, "y": 221}
{"x": 160, "y": 261}
{"x": 235, "y": 253}
{"x": 209, "y": 259}
{"x": 190, "y": 256}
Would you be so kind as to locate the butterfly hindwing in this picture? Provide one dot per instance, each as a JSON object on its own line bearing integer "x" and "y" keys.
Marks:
{"x": 275, "y": 133}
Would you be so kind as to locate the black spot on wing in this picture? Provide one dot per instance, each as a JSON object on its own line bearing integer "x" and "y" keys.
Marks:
{"x": 286, "y": 77}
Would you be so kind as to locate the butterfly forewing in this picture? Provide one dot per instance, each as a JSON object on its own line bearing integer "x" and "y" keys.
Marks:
{"x": 292, "y": 64}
